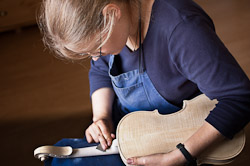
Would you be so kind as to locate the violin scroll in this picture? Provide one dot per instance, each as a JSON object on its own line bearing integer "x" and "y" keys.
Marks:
{"x": 44, "y": 152}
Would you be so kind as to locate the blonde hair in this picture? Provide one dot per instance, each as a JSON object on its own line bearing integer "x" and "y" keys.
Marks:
{"x": 68, "y": 24}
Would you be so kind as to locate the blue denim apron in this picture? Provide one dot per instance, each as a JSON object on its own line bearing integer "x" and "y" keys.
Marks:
{"x": 134, "y": 91}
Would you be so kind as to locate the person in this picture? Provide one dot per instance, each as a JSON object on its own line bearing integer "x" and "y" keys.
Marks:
{"x": 146, "y": 55}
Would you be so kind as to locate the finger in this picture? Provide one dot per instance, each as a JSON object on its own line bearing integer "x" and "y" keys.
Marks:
{"x": 106, "y": 133}
{"x": 138, "y": 161}
{"x": 88, "y": 136}
{"x": 99, "y": 137}
{"x": 94, "y": 131}
{"x": 103, "y": 142}
{"x": 150, "y": 160}
{"x": 113, "y": 135}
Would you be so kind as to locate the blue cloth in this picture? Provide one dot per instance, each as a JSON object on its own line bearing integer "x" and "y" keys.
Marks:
{"x": 109, "y": 160}
{"x": 183, "y": 58}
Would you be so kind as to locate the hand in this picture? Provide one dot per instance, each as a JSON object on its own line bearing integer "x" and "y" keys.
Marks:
{"x": 100, "y": 131}
{"x": 173, "y": 158}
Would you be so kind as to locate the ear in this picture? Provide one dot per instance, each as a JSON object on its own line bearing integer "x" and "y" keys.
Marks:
{"x": 108, "y": 9}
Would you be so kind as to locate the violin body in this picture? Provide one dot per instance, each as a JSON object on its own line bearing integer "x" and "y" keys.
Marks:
{"x": 144, "y": 133}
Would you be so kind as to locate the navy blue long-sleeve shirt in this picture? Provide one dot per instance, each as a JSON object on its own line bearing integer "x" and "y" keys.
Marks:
{"x": 184, "y": 57}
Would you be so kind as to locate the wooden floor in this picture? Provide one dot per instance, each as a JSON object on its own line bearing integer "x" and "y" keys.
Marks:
{"x": 44, "y": 99}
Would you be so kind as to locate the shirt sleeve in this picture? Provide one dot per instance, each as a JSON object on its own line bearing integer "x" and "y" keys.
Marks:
{"x": 201, "y": 57}
{"x": 98, "y": 74}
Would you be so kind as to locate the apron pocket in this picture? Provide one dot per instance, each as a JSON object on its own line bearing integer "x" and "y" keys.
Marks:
{"x": 134, "y": 97}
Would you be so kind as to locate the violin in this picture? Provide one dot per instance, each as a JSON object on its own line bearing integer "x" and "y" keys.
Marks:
{"x": 143, "y": 133}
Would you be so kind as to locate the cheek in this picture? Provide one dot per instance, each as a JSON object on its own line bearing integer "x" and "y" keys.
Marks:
{"x": 114, "y": 45}
{"x": 122, "y": 39}
{"x": 121, "y": 42}
{"x": 118, "y": 39}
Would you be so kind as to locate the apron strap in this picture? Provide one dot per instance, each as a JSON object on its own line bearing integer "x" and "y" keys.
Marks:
{"x": 141, "y": 52}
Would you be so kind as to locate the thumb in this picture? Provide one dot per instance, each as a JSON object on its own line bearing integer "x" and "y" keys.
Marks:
{"x": 137, "y": 160}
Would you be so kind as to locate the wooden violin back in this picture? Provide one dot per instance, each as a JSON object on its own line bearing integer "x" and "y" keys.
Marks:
{"x": 143, "y": 133}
